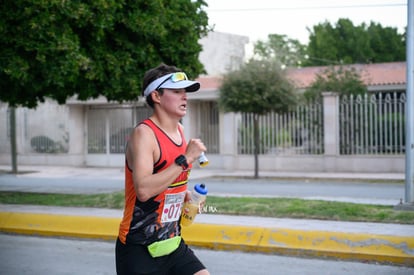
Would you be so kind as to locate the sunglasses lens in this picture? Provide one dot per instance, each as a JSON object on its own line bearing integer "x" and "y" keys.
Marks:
{"x": 178, "y": 77}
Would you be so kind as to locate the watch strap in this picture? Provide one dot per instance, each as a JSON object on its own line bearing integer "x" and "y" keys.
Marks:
{"x": 181, "y": 160}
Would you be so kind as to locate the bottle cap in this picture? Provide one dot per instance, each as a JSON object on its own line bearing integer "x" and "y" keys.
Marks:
{"x": 201, "y": 188}
{"x": 202, "y": 160}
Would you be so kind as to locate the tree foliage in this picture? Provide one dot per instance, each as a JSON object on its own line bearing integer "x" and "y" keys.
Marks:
{"x": 340, "y": 43}
{"x": 340, "y": 79}
{"x": 258, "y": 87}
{"x": 289, "y": 52}
{"x": 58, "y": 48}
{"x": 344, "y": 43}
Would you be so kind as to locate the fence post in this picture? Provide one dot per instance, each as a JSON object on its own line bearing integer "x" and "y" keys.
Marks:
{"x": 228, "y": 129}
{"x": 331, "y": 122}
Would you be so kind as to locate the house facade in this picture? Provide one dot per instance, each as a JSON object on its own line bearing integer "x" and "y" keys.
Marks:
{"x": 94, "y": 133}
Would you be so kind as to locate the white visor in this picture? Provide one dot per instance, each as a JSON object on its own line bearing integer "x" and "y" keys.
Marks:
{"x": 166, "y": 82}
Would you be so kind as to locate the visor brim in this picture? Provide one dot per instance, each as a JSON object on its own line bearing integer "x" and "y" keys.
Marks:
{"x": 188, "y": 85}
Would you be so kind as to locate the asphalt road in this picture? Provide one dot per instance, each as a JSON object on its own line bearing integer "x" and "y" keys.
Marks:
{"x": 39, "y": 255}
{"x": 345, "y": 190}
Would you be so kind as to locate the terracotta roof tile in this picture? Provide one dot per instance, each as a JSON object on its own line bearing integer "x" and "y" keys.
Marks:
{"x": 379, "y": 74}
{"x": 209, "y": 82}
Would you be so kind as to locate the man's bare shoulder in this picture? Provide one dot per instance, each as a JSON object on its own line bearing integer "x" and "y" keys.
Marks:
{"x": 142, "y": 129}
{"x": 142, "y": 140}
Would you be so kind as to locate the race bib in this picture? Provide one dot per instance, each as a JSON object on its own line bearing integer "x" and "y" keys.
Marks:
{"x": 172, "y": 207}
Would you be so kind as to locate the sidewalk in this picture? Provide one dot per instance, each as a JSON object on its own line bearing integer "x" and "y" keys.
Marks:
{"x": 384, "y": 243}
{"x": 118, "y": 173}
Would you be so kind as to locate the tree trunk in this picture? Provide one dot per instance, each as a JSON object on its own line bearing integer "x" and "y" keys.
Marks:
{"x": 13, "y": 142}
{"x": 256, "y": 145}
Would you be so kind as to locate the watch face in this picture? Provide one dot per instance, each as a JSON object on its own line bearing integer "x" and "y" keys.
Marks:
{"x": 182, "y": 161}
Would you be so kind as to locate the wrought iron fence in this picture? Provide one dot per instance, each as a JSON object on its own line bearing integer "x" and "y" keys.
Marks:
{"x": 369, "y": 124}
{"x": 296, "y": 132}
{"x": 372, "y": 124}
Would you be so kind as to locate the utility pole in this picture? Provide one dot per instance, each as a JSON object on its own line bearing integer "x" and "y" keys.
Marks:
{"x": 409, "y": 121}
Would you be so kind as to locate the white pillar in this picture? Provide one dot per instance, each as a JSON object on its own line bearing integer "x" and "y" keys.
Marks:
{"x": 76, "y": 129}
{"x": 331, "y": 123}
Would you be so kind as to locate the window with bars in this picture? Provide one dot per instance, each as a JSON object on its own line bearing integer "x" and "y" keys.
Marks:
{"x": 208, "y": 125}
{"x": 109, "y": 128}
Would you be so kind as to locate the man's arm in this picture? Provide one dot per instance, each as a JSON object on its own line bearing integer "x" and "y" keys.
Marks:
{"x": 142, "y": 152}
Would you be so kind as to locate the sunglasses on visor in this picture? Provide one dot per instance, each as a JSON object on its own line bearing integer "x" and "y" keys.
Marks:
{"x": 175, "y": 77}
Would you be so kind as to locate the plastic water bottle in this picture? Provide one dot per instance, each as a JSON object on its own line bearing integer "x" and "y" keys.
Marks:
{"x": 191, "y": 207}
{"x": 202, "y": 160}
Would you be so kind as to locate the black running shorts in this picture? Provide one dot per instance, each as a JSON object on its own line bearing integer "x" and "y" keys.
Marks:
{"x": 135, "y": 259}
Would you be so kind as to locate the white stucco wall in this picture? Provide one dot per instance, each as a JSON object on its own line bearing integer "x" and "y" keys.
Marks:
{"x": 222, "y": 52}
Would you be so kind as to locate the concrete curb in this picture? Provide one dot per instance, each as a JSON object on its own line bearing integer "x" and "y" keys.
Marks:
{"x": 350, "y": 246}
{"x": 339, "y": 245}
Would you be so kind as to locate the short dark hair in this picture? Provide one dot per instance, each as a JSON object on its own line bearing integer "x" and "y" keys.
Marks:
{"x": 156, "y": 73}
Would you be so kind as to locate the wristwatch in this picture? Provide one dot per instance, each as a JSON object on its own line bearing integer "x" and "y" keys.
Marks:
{"x": 181, "y": 161}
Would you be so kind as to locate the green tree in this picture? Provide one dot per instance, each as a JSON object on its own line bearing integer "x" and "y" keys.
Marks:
{"x": 58, "y": 49}
{"x": 386, "y": 44}
{"x": 341, "y": 79}
{"x": 258, "y": 87}
{"x": 345, "y": 43}
{"x": 289, "y": 52}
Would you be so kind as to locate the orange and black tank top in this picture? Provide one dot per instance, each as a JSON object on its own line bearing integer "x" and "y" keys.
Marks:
{"x": 159, "y": 217}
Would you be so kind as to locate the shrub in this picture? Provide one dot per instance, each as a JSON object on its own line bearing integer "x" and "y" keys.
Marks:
{"x": 43, "y": 144}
